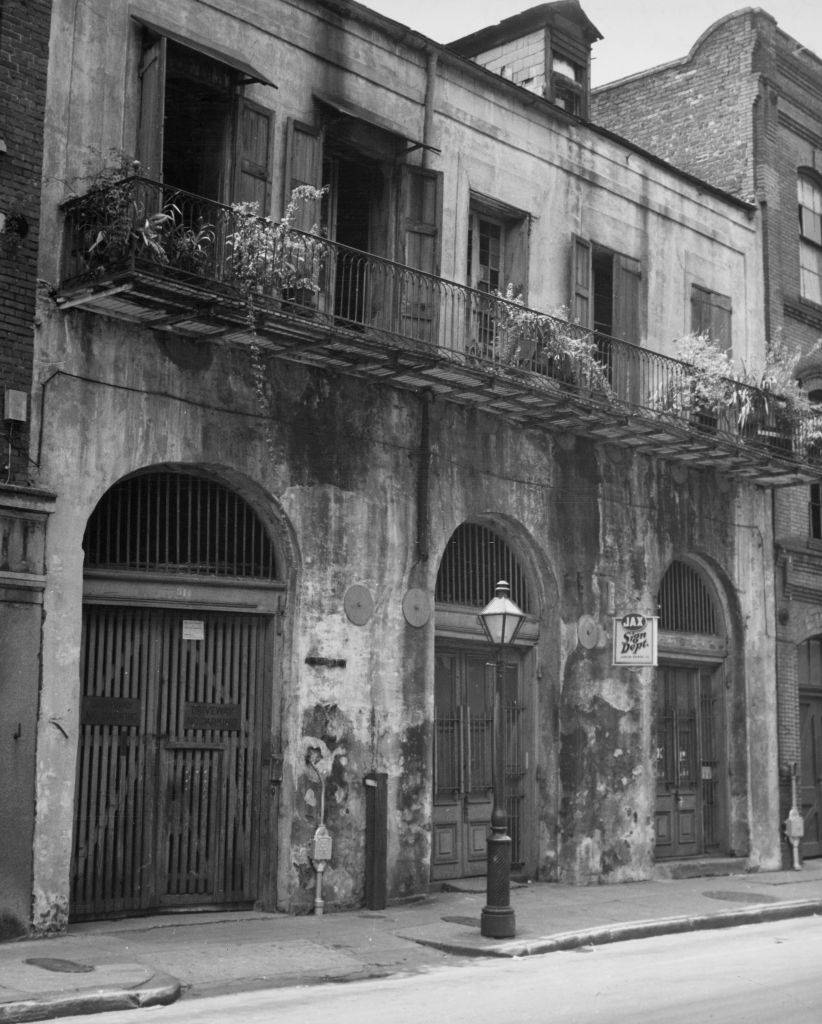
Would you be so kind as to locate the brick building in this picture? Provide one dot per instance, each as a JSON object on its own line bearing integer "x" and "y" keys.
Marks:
{"x": 24, "y": 46}
{"x": 743, "y": 110}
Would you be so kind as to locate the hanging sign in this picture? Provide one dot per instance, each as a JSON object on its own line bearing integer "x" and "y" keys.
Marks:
{"x": 635, "y": 639}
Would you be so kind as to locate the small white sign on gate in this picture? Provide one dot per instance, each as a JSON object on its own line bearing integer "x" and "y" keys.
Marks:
{"x": 635, "y": 639}
{"x": 193, "y": 629}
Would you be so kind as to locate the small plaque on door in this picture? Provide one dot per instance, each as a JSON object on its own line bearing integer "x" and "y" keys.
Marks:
{"x": 219, "y": 717}
{"x": 111, "y": 711}
{"x": 193, "y": 629}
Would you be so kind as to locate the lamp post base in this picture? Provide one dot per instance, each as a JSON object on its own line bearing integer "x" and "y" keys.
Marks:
{"x": 497, "y": 920}
{"x": 498, "y": 923}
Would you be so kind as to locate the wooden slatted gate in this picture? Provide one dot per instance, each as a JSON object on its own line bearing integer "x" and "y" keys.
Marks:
{"x": 169, "y": 774}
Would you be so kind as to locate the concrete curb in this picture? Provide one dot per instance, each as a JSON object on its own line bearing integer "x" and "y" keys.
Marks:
{"x": 630, "y": 930}
{"x": 158, "y": 990}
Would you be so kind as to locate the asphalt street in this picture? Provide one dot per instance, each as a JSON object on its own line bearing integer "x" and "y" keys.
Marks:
{"x": 758, "y": 974}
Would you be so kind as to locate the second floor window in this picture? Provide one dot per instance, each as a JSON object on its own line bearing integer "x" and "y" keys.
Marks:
{"x": 196, "y": 130}
{"x": 606, "y": 291}
{"x": 711, "y": 315}
{"x": 810, "y": 239}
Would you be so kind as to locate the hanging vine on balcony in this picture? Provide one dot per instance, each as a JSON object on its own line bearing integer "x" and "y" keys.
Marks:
{"x": 271, "y": 259}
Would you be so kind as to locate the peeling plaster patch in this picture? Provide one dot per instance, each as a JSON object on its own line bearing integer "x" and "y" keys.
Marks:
{"x": 50, "y": 914}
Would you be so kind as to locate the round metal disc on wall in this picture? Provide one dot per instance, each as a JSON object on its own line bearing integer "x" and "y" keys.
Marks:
{"x": 587, "y": 631}
{"x": 358, "y": 604}
{"x": 679, "y": 473}
{"x": 416, "y": 607}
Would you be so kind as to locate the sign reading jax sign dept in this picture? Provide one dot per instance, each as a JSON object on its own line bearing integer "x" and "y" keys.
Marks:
{"x": 635, "y": 639}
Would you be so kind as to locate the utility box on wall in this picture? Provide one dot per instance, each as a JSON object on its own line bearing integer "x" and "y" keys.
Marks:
{"x": 376, "y": 840}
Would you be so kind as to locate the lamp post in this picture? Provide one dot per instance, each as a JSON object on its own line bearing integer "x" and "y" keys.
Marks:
{"x": 501, "y": 620}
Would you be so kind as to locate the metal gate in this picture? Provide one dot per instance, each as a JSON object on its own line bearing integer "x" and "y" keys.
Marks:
{"x": 169, "y": 773}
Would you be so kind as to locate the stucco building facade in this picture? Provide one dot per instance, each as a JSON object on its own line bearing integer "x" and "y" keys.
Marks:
{"x": 741, "y": 109}
{"x": 285, "y": 488}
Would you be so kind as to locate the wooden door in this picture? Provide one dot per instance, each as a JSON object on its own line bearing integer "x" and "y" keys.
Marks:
{"x": 810, "y": 781}
{"x": 463, "y": 794}
{"x": 689, "y": 767}
{"x": 169, "y": 772}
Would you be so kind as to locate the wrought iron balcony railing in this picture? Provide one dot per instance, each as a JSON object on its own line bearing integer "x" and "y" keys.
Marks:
{"x": 206, "y": 260}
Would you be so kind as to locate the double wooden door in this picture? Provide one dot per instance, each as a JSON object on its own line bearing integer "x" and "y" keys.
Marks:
{"x": 810, "y": 723}
{"x": 689, "y": 763}
{"x": 168, "y": 805}
{"x": 463, "y": 794}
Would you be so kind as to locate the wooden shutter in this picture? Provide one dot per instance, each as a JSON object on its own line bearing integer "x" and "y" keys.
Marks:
{"x": 252, "y": 182}
{"x": 581, "y": 307}
{"x": 515, "y": 256}
{"x": 152, "y": 110}
{"x": 627, "y": 280}
{"x": 721, "y": 322}
{"x": 624, "y": 366}
{"x": 304, "y": 166}
{"x": 420, "y": 219}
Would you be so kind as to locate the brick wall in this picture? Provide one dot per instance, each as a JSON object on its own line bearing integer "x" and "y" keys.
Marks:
{"x": 696, "y": 113}
{"x": 24, "y": 40}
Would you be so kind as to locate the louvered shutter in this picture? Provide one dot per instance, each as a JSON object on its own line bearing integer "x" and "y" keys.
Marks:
{"x": 152, "y": 110}
{"x": 252, "y": 182}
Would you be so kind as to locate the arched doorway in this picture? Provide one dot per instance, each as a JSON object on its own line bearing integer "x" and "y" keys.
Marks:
{"x": 691, "y": 756}
{"x": 181, "y": 587}
{"x": 475, "y": 558}
{"x": 809, "y": 673}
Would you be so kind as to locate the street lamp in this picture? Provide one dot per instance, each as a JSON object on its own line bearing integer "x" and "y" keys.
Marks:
{"x": 501, "y": 620}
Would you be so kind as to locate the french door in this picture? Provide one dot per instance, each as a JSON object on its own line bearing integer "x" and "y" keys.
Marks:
{"x": 168, "y": 798}
{"x": 463, "y": 794}
{"x": 689, "y": 795}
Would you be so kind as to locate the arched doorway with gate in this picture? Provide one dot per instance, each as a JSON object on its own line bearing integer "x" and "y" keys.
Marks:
{"x": 182, "y": 608}
{"x": 476, "y": 557}
{"x": 690, "y": 717}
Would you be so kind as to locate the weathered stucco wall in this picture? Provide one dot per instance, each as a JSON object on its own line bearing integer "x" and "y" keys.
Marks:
{"x": 332, "y": 464}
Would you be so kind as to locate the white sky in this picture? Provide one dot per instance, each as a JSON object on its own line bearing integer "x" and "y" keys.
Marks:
{"x": 638, "y": 34}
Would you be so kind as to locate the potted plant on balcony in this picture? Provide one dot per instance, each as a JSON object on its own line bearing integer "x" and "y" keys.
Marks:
{"x": 701, "y": 388}
{"x": 545, "y": 343}
{"x": 272, "y": 259}
{"x": 772, "y": 407}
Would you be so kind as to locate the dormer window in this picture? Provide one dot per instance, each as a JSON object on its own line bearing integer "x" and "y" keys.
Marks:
{"x": 545, "y": 49}
{"x": 567, "y": 83}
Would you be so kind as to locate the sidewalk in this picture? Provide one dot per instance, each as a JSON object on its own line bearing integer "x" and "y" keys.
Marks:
{"x": 154, "y": 960}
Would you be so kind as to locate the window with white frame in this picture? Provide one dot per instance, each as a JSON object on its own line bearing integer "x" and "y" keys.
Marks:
{"x": 809, "y": 193}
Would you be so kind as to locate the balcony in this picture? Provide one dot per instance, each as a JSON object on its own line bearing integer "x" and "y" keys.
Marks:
{"x": 145, "y": 253}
